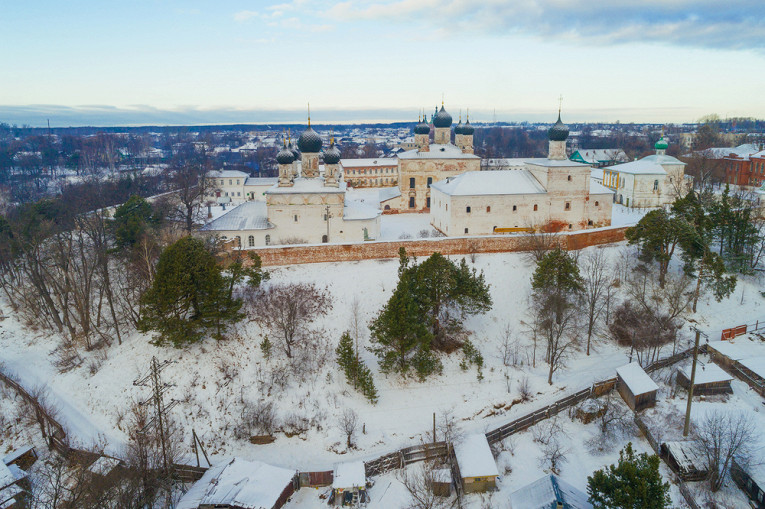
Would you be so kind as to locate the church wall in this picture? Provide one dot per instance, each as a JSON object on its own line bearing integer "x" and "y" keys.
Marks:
{"x": 310, "y": 209}
{"x": 421, "y": 170}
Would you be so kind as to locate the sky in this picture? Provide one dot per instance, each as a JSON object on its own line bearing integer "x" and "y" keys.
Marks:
{"x": 97, "y": 62}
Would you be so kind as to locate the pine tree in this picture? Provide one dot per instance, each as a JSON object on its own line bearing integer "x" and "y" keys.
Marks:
{"x": 354, "y": 369}
{"x": 635, "y": 483}
{"x": 189, "y": 295}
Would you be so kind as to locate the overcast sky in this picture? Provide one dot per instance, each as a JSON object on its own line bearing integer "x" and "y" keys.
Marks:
{"x": 182, "y": 61}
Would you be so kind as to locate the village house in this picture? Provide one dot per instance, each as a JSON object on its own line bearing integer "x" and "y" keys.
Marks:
{"x": 750, "y": 477}
{"x": 549, "y": 492}
{"x": 349, "y": 484}
{"x": 685, "y": 459}
{"x": 475, "y": 463}
{"x": 378, "y": 172}
{"x": 636, "y": 387}
{"x": 710, "y": 379}
{"x": 599, "y": 157}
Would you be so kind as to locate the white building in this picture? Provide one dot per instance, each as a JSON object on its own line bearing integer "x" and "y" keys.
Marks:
{"x": 233, "y": 186}
{"x": 550, "y": 193}
{"x": 652, "y": 181}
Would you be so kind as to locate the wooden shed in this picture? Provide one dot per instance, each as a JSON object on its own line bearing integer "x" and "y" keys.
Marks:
{"x": 23, "y": 457}
{"x": 13, "y": 486}
{"x": 636, "y": 387}
{"x": 477, "y": 468}
{"x": 710, "y": 379}
{"x": 751, "y": 480}
{"x": 442, "y": 482}
{"x": 684, "y": 458}
{"x": 349, "y": 484}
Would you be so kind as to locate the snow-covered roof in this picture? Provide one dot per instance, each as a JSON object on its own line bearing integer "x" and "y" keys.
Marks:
{"x": 388, "y": 193}
{"x": 756, "y": 364}
{"x": 261, "y": 181}
{"x": 443, "y": 475}
{"x": 9, "y": 475}
{"x": 437, "y": 151}
{"x": 350, "y": 474}
{"x": 639, "y": 167}
{"x": 556, "y": 163}
{"x": 250, "y": 215}
{"x": 500, "y": 182}
{"x": 596, "y": 155}
{"x": 663, "y": 159}
{"x": 369, "y": 162}
{"x": 103, "y": 465}
{"x": 508, "y": 162}
{"x": 238, "y": 483}
{"x": 14, "y": 455}
{"x": 706, "y": 374}
{"x": 303, "y": 185}
{"x": 737, "y": 349}
{"x": 687, "y": 455}
{"x": 545, "y": 493}
{"x": 598, "y": 188}
{"x": 474, "y": 457}
{"x": 227, "y": 174}
{"x": 357, "y": 210}
{"x": 636, "y": 379}
{"x": 743, "y": 151}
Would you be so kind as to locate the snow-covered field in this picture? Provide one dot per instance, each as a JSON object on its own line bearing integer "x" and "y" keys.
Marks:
{"x": 215, "y": 380}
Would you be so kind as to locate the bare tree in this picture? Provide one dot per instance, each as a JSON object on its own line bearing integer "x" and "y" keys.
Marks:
{"x": 596, "y": 280}
{"x": 288, "y": 312}
{"x": 190, "y": 186}
{"x": 552, "y": 439}
{"x": 348, "y": 422}
{"x": 538, "y": 244}
{"x": 722, "y": 436}
{"x": 419, "y": 481}
{"x": 559, "y": 330}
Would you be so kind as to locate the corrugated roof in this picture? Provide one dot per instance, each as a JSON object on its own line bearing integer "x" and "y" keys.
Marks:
{"x": 500, "y": 182}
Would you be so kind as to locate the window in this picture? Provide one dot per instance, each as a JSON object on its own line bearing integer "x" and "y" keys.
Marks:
{"x": 589, "y": 223}
{"x": 447, "y": 206}
{"x": 411, "y": 183}
{"x": 466, "y": 230}
{"x": 569, "y": 178}
{"x": 467, "y": 209}
{"x": 222, "y": 181}
{"x": 488, "y": 208}
{"x": 515, "y": 208}
{"x": 229, "y": 181}
{"x": 296, "y": 218}
{"x": 411, "y": 202}
{"x": 430, "y": 181}
{"x": 569, "y": 226}
{"x": 427, "y": 202}
{"x": 268, "y": 240}
{"x": 568, "y": 205}
{"x": 238, "y": 241}
{"x": 239, "y": 193}
{"x": 655, "y": 185}
{"x": 596, "y": 204}
{"x": 251, "y": 241}
{"x": 324, "y": 239}
{"x": 535, "y": 207}
{"x": 237, "y": 181}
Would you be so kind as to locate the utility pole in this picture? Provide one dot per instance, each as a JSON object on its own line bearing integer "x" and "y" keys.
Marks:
{"x": 687, "y": 425}
{"x": 159, "y": 422}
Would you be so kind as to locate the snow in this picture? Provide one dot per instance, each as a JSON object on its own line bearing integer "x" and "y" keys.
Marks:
{"x": 556, "y": 163}
{"x": 227, "y": 174}
{"x": 355, "y": 210}
{"x": 626, "y": 216}
{"x": 10, "y": 458}
{"x": 636, "y": 379}
{"x": 393, "y": 226}
{"x": 351, "y": 474}
{"x": 103, "y": 465}
{"x": 474, "y": 457}
{"x": 686, "y": 454}
{"x": 639, "y": 167}
{"x": 369, "y": 162}
{"x": 250, "y": 215}
{"x": 306, "y": 185}
{"x": 240, "y": 483}
{"x": 546, "y": 492}
{"x": 598, "y": 188}
{"x": 738, "y": 349}
{"x": 706, "y": 374}
{"x": 755, "y": 364}
{"x": 437, "y": 151}
{"x": 6, "y": 476}
{"x": 482, "y": 183}
{"x": 442, "y": 475}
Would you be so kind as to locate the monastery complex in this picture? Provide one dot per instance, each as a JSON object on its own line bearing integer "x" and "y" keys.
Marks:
{"x": 309, "y": 201}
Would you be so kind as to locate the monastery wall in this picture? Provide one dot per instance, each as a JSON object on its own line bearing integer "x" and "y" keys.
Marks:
{"x": 290, "y": 255}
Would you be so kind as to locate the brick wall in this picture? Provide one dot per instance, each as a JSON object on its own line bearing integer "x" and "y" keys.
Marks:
{"x": 290, "y": 255}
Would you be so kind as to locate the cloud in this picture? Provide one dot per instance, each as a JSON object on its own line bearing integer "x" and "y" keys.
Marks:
{"x": 243, "y": 16}
{"x": 738, "y": 24}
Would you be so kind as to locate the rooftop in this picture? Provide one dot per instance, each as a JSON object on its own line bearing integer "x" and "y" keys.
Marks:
{"x": 474, "y": 457}
{"x": 261, "y": 181}
{"x": 351, "y": 474}
{"x": 303, "y": 185}
{"x": 636, "y": 379}
{"x": 364, "y": 163}
{"x": 639, "y": 167}
{"x": 706, "y": 374}
{"x": 483, "y": 183}
{"x": 437, "y": 151}
{"x": 546, "y": 493}
{"x": 227, "y": 174}
{"x": 250, "y": 215}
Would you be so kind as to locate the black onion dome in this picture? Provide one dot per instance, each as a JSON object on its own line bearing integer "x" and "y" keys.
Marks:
{"x": 442, "y": 118}
{"x": 285, "y": 156}
{"x": 558, "y": 132}
{"x": 458, "y": 129}
{"x": 422, "y": 127}
{"x": 467, "y": 128}
{"x": 332, "y": 154}
{"x": 309, "y": 141}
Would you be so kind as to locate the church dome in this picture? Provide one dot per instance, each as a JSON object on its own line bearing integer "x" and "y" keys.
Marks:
{"x": 468, "y": 129}
{"x": 332, "y": 154}
{"x": 309, "y": 141}
{"x": 558, "y": 132}
{"x": 458, "y": 129}
{"x": 285, "y": 155}
{"x": 422, "y": 127}
{"x": 295, "y": 151}
{"x": 442, "y": 118}
{"x": 661, "y": 144}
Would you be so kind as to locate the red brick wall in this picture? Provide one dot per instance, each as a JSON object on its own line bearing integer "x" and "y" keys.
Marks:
{"x": 290, "y": 255}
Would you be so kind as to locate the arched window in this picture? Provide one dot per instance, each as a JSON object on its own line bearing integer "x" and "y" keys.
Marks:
{"x": 596, "y": 204}
{"x": 324, "y": 239}
{"x": 268, "y": 240}
{"x": 488, "y": 208}
{"x": 655, "y": 185}
{"x": 535, "y": 207}
{"x": 515, "y": 207}
{"x": 387, "y": 207}
{"x": 251, "y": 241}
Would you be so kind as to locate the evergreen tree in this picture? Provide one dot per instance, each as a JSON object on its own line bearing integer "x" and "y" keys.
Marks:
{"x": 355, "y": 370}
{"x": 557, "y": 281}
{"x": 131, "y": 220}
{"x": 635, "y": 483}
{"x": 189, "y": 295}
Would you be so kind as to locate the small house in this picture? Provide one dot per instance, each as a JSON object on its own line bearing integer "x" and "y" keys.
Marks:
{"x": 240, "y": 484}
{"x": 23, "y": 457}
{"x": 636, "y": 387}
{"x": 349, "y": 483}
{"x": 549, "y": 492}
{"x": 13, "y": 480}
{"x": 710, "y": 379}
{"x": 442, "y": 482}
{"x": 105, "y": 467}
{"x": 750, "y": 479}
{"x": 684, "y": 458}
{"x": 475, "y": 462}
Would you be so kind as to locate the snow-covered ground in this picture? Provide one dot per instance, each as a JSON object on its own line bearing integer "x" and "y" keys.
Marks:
{"x": 214, "y": 381}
